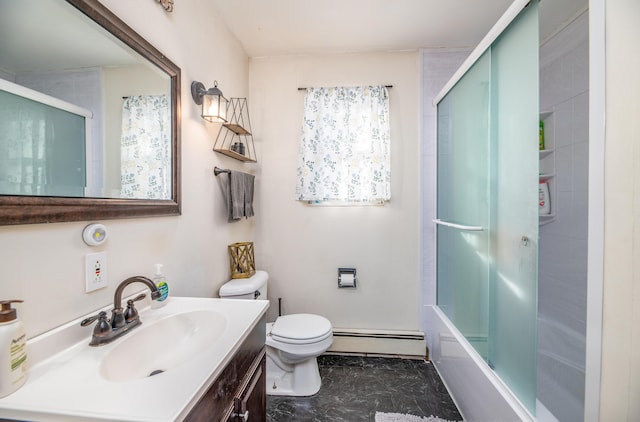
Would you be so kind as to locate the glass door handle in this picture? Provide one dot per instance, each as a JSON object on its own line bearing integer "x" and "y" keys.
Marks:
{"x": 437, "y": 221}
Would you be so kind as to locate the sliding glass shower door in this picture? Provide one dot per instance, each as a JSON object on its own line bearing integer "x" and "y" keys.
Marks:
{"x": 463, "y": 204}
{"x": 487, "y": 215}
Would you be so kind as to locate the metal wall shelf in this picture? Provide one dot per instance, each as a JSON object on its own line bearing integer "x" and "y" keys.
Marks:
{"x": 235, "y": 139}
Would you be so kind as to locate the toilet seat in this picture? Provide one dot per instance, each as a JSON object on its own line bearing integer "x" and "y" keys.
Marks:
{"x": 300, "y": 329}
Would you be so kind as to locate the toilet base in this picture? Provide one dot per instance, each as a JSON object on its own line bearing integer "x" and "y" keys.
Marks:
{"x": 299, "y": 380}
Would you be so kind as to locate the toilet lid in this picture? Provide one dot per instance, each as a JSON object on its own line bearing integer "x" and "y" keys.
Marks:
{"x": 243, "y": 286}
{"x": 300, "y": 327}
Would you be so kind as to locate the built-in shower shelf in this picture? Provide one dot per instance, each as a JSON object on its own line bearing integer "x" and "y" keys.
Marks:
{"x": 545, "y": 153}
{"x": 545, "y": 114}
{"x": 547, "y": 162}
{"x": 546, "y": 219}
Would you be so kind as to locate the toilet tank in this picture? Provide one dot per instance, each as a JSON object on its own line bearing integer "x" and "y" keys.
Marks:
{"x": 254, "y": 287}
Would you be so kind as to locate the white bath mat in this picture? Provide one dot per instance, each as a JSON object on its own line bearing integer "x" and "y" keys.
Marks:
{"x": 403, "y": 417}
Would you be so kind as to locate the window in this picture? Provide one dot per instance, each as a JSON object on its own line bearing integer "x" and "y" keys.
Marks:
{"x": 345, "y": 146}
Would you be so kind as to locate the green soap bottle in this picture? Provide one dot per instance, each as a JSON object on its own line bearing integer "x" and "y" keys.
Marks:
{"x": 541, "y": 140}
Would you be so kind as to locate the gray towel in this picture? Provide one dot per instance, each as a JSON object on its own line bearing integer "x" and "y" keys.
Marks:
{"x": 240, "y": 197}
{"x": 248, "y": 194}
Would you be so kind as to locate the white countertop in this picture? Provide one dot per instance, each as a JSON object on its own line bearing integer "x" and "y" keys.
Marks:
{"x": 65, "y": 383}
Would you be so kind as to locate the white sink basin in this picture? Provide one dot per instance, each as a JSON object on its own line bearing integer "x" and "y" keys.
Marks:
{"x": 162, "y": 345}
{"x": 190, "y": 339}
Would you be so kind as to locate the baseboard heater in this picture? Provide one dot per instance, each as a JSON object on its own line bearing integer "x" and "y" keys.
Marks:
{"x": 379, "y": 342}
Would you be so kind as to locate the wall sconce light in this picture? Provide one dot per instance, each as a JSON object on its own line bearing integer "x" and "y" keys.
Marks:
{"x": 214, "y": 105}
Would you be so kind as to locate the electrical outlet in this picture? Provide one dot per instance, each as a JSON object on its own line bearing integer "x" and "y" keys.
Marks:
{"x": 95, "y": 271}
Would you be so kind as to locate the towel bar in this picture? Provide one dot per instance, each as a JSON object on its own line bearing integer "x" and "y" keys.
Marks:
{"x": 217, "y": 171}
{"x": 458, "y": 226}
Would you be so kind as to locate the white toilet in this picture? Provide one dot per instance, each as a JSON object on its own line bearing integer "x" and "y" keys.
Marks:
{"x": 293, "y": 341}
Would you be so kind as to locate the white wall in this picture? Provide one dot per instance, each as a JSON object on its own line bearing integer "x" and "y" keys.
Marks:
{"x": 620, "y": 385}
{"x": 302, "y": 246}
{"x": 44, "y": 263}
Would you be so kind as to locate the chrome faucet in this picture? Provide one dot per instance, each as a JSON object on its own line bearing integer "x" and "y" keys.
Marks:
{"x": 122, "y": 321}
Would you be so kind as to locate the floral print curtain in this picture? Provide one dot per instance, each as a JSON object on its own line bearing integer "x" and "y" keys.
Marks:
{"x": 145, "y": 150}
{"x": 345, "y": 147}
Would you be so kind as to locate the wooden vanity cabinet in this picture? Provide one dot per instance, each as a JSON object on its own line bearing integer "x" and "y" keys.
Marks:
{"x": 240, "y": 387}
{"x": 251, "y": 404}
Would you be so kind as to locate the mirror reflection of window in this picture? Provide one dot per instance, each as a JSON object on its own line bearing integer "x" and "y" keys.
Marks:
{"x": 91, "y": 65}
{"x": 145, "y": 153}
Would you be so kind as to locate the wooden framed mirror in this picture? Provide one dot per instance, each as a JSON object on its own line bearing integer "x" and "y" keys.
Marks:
{"x": 78, "y": 54}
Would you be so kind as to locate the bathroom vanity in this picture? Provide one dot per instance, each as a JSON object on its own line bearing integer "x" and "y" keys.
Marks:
{"x": 239, "y": 393}
{"x": 194, "y": 359}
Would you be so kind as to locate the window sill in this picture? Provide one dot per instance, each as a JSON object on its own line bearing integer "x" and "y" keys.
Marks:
{"x": 338, "y": 203}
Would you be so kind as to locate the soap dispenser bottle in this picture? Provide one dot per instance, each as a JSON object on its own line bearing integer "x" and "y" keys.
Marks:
{"x": 13, "y": 349}
{"x": 161, "y": 283}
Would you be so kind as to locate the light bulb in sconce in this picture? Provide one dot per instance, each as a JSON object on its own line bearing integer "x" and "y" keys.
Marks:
{"x": 214, "y": 104}
{"x": 213, "y": 109}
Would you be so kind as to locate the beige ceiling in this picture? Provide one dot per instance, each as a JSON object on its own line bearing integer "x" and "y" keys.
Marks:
{"x": 277, "y": 27}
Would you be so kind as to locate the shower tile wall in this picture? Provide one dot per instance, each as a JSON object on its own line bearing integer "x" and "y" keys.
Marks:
{"x": 562, "y": 286}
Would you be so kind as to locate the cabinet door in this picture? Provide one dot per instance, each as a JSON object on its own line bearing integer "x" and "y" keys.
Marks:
{"x": 251, "y": 404}
{"x": 218, "y": 403}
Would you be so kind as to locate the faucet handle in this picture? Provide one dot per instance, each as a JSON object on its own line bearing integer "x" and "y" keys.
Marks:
{"x": 132, "y": 313}
{"x": 90, "y": 320}
{"x": 102, "y": 329}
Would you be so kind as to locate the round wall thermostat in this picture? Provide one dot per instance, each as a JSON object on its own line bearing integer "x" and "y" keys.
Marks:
{"x": 94, "y": 234}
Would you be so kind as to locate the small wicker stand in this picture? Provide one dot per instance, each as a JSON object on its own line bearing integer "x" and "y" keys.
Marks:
{"x": 241, "y": 261}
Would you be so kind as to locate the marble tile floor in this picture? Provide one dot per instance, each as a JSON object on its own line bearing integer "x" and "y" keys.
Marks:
{"x": 355, "y": 387}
